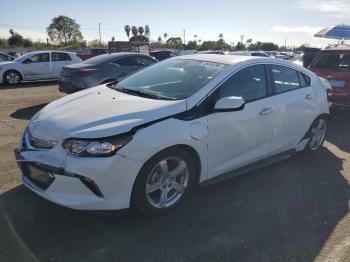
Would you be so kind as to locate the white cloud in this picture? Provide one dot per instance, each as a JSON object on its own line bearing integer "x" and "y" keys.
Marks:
{"x": 25, "y": 32}
{"x": 298, "y": 29}
{"x": 339, "y": 8}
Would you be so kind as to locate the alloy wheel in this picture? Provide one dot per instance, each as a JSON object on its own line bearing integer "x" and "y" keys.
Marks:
{"x": 317, "y": 134}
{"x": 13, "y": 78}
{"x": 167, "y": 182}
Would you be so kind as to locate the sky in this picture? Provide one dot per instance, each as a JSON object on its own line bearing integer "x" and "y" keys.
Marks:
{"x": 293, "y": 21}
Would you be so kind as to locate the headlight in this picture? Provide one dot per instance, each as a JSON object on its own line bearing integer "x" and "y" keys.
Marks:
{"x": 98, "y": 147}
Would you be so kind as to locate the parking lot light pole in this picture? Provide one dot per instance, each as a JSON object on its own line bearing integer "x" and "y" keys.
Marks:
{"x": 99, "y": 32}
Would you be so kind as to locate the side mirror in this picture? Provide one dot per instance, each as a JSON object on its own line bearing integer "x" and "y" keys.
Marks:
{"x": 229, "y": 103}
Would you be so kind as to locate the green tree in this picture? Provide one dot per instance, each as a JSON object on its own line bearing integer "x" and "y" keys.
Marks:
{"x": 207, "y": 45}
{"x": 27, "y": 42}
{"x": 147, "y": 32}
{"x": 15, "y": 39}
{"x": 96, "y": 44}
{"x": 134, "y": 31}
{"x": 64, "y": 30}
{"x": 3, "y": 42}
{"x": 165, "y": 35}
{"x": 174, "y": 43}
{"x": 127, "y": 31}
{"x": 141, "y": 30}
{"x": 191, "y": 45}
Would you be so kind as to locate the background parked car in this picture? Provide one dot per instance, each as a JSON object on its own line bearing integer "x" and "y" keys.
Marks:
{"x": 334, "y": 65}
{"x": 5, "y": 57}
{"x": 101, "y": 69}
{"x": 252, "y": 53}
{"x": 162, "y": 54}
{"x": 216, "y": 52}
{"x": 91, "y": 52}
{"x": 37, "y": 65}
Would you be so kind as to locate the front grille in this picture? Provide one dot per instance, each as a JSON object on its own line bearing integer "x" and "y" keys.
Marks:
{"x": 40, "y": 178}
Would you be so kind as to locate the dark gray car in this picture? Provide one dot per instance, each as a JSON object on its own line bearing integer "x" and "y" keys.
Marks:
{"x": 100, "y": 70}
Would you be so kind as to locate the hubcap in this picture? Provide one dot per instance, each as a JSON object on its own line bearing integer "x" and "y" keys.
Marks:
{"x": 167, "y": 182}
{"x": 12, "y": 78}
{"x": 318, "y": 133}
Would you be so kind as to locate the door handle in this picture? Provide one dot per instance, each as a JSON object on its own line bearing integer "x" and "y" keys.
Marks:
{"x": 265, "y": 111}
{"x": 308, "y": 97}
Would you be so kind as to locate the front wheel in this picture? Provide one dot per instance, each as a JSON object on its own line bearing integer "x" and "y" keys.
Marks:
{"x": 12, "y": 77}
{"x": 317, "y": 134}
{"x": 163, "y": 182}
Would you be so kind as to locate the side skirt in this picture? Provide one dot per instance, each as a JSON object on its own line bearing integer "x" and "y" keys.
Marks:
{"x": 251, "y": 167}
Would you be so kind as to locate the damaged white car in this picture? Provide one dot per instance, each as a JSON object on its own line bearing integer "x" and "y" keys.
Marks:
{"x": 146, "y": 141}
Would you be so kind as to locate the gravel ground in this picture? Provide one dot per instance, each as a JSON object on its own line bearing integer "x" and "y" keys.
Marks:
{"x": 295, "y": 210}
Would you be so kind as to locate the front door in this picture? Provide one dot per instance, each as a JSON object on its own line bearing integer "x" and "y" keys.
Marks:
{"x": 37, "y": 67}
{"x": 241, "y": 137}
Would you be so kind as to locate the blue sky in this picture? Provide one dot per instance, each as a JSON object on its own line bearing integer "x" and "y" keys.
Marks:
{"x": 268, "y": 20}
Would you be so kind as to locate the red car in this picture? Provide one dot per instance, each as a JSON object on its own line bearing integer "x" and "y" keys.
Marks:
{"x": 334, "y": 65}
{"x": 91, "y": 52}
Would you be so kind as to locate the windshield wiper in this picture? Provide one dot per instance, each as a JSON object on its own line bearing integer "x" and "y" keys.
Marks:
{"x": 138, "y": 93}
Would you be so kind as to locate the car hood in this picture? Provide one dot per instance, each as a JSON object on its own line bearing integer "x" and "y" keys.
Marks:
{"x": 98, "y": 112}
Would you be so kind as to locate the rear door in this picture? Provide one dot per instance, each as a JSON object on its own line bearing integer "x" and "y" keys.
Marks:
{"x": 37, "y": 67}
{"x": 59, "y": 60}
{"x": 295, "y": 107}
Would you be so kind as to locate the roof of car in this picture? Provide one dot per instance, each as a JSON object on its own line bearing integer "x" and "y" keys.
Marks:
{"x": 223, "y": 59}
{"x": 338, "y": 48}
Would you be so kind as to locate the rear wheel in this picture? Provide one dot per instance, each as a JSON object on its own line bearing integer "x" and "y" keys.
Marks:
{"x": 163, "y": 182}
{"x": 317, "y": 134}
{"x": 12, "y": 77}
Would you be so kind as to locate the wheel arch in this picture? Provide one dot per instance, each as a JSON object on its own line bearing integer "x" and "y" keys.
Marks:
{"x": 322, "y": 115}
{"x": 14, "y": 70}
{"x": 189, "y": 149}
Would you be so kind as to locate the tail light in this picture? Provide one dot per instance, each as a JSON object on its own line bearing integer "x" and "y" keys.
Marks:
{"x": 84, "y": 73}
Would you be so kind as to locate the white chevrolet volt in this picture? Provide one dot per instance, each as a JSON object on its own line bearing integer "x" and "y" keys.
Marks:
{"x": 147, "y": 140}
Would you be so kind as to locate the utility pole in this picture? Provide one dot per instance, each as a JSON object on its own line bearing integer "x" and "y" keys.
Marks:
{"x": 285, "y": 44}
{"x": 184, "y": 38}
{"x": 99, "y": 32}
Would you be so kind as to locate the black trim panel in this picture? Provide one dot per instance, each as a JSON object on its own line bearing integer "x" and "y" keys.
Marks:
{"x": 251, "y": 167}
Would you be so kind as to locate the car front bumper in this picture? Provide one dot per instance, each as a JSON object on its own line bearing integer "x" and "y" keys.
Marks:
{"x": 82, "y": 183}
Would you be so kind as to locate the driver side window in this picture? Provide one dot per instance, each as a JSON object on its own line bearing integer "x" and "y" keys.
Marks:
{"x": 39, "y": 58}
{"x": 249, "y": 83}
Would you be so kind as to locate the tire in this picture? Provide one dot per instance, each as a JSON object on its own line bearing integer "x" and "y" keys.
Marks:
{"x": 12, "y": 77}
{"x": 317, "y": 134}
{"x": 152, "y": 183}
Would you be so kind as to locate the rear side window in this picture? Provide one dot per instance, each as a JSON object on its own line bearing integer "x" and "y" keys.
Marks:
{"x": 335, "y": 61}
{"x": 40, "y": 58}
{"x": 304, "y": 80}
{"x": 249, "y": 83}
{"x": 55, "y": 56}
{"x": 126, "y": 61}
{"x": 144, "y": 61}
{"x": 285, "y": 79}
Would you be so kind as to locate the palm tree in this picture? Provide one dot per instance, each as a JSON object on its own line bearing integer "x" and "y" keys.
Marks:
{"x": 147, "y": 32}
{"x": 140, "y": 30}
{"x": 221, "y": 36}
{"x": 199, "y": 41}
{"x": 127, "y": 30}
{"x": 165, "y": 36}
{"x": 195, "y": 38}
{"x": 134, "y": 31}
{"x": 159, "y": 39}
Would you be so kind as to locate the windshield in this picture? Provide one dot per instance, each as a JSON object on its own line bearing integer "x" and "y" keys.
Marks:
{"x": 23, "y": 57}
{"x": 172, "y": 79}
